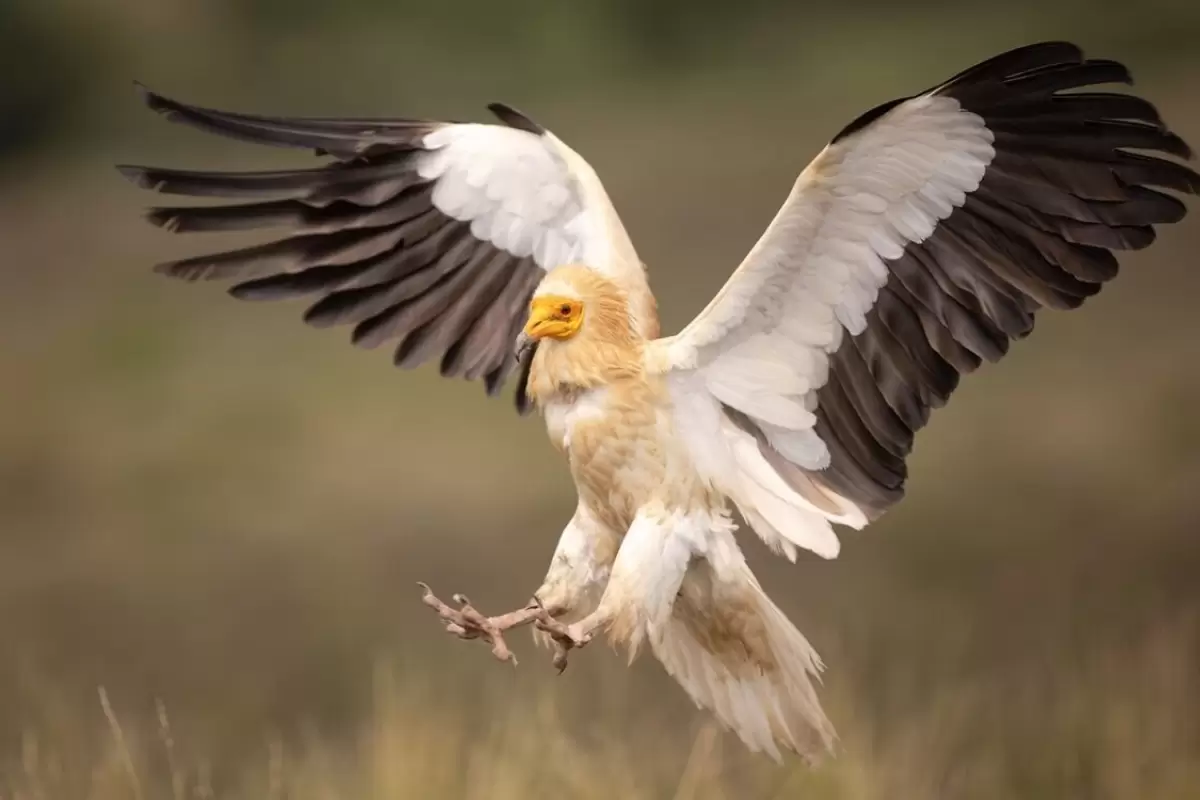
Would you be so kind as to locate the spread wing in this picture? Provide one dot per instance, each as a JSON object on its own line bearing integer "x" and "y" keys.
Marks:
{"x": 429, "y": 234}
{"x": 920, "y": 242}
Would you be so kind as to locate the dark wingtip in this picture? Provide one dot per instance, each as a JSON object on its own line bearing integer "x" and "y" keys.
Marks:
{"x": 1120, "y": 72}
{"x": 170, "y": 109}
{"x": 138, "y": 176}
{"x": 153, "y": 100}
{"x": 164, "y": 218}
{"x": 190, "y": 269}
{"x": 515, "y": 119}
{"x": 171, "y": 270}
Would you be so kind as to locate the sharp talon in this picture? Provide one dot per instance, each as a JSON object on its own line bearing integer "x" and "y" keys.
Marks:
{"x": 427, "y": 596}
{"x": 461, "y": 599}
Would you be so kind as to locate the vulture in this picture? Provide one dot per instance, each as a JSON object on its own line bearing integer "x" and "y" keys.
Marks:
{"x": 919, "y": 243}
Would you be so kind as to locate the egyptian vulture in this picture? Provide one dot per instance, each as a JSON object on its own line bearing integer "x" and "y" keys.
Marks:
{"x": 918, "y": 244}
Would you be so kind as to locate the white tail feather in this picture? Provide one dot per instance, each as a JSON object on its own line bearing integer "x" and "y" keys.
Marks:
{"x": 736, "y": 654}
{"x": 776, "y": 541}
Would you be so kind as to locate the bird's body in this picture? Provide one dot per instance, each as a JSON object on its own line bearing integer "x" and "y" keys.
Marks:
{"x": 621, "y": 448}
{"x": 681, "y": 582}
{"x": 919, "y": 243}
{"x": 607, "y": 412}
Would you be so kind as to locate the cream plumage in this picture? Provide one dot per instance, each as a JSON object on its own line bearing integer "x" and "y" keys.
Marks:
{"x": 918, "y": 243}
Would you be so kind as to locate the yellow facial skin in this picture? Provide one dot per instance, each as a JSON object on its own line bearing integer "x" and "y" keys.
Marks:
{"x": 554, "y": 317}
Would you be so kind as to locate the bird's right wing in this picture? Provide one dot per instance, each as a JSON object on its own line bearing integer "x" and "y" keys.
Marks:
{"x": 431, "y": 233}
{"x": 920, "y": 242}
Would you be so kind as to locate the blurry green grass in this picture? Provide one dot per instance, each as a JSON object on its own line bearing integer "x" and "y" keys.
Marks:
{"x": 205, "y": 502}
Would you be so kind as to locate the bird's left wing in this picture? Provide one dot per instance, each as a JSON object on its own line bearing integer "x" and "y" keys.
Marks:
{"x": 920, "y": 242}
{"x": 431, "y": 233}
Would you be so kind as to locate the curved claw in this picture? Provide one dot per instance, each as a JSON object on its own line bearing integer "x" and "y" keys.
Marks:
{"x": 461, "y": 631}
{"x": 565, "y": 638}
{"x": 427, "y": 596}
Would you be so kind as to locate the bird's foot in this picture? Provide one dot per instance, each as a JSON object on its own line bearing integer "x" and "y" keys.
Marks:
{"x": 466, "y": 622}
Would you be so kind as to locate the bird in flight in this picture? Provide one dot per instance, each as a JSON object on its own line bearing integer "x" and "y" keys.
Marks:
{"x": 918, "y": 244}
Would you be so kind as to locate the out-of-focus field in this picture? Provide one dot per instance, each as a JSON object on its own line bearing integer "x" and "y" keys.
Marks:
{"x": 219, "y": 515}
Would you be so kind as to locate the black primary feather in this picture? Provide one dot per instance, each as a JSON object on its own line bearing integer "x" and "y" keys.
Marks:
{"x": 1064, "y": 189}
{"x": 360, "y": 234}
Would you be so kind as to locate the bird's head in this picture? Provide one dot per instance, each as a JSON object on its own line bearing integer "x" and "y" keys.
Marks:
{"x": 580, "y": 321}
{"x": 554, "y": 316}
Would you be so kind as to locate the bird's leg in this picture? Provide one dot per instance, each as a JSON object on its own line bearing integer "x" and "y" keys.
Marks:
{"x": 466, "y": 622}
{"x": 574, "y": 581}
{"x": 640, "y": 590}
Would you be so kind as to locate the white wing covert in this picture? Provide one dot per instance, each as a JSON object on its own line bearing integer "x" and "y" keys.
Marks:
{"x": 919, "y": 242}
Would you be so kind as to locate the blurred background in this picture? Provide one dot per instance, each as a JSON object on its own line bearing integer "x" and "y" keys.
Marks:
{"x": 217, "y": 515}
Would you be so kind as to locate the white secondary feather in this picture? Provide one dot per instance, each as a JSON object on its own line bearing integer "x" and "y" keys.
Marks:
{"x": 531, "y": 195}
{"x": 801, "y": 447}
{"x": 762, "y": 345}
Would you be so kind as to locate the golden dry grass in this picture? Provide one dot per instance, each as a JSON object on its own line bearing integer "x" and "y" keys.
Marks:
{"x": 1116, "y": 725}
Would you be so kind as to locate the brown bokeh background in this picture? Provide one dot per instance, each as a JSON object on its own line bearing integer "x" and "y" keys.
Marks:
{"x": 218, "y": 514}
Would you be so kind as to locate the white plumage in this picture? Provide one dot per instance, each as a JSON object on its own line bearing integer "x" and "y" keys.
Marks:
{"x": 510, "y": 186}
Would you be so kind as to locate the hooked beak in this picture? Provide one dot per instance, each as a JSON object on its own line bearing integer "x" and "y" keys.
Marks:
{"x": 524, "y": 346}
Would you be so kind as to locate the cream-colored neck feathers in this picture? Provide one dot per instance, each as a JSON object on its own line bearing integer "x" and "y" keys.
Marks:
{"x": 605, "y": 348}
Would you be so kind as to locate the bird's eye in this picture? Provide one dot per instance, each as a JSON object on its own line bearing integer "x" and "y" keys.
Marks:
{"x": 565, "y": 309}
